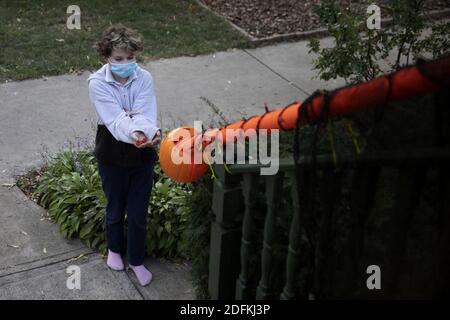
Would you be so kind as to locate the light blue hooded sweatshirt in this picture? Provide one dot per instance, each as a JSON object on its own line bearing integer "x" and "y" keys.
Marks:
{"x": 125, "y": 108}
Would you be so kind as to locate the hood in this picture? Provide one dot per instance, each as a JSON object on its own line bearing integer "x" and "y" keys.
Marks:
{"x": 99, "y": 74}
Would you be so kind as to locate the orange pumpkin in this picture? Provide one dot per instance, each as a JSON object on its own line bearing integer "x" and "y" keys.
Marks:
{"x": 177, "y": 146}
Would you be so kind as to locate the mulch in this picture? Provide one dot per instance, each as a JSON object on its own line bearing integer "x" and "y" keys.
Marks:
{"x": 264, "y": 18}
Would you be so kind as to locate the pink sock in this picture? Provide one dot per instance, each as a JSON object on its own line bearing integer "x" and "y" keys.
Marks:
{"x": 115, "y": 261}
{"x": 143, "y": 275}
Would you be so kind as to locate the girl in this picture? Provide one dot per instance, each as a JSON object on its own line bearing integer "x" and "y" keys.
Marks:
{"x": 123, "y": 96}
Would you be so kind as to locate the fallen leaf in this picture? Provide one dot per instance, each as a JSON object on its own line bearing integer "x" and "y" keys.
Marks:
{"x": 8, "y": 185}
{"x": 76, "y": 258}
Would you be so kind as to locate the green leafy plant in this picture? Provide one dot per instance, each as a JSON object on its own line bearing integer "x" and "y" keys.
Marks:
{"x": 70, "y": 189}
{"x": 360, "y": 54}
{"x": 198, "y": 232}
{"x": 169, "y": 212}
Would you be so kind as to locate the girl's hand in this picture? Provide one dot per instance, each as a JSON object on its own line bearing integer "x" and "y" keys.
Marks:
{"x": 156, "y": 138}
{"x": 140, "y": 140}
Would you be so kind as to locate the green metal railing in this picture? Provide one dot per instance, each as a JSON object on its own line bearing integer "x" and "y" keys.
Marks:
{"x": 237, "y": 204}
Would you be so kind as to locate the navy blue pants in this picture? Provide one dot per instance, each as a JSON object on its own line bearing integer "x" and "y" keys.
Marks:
{"x": 127, "y": 189}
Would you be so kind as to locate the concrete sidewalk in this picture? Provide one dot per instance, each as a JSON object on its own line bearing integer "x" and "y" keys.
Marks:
{"x": 44, "y": 113}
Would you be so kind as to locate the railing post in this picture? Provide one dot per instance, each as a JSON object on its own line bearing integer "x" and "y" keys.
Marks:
{"x": 293, "y": 257}
{"x": 250, "y": 188}
{"x": 227, "y": 207}
{"x": 274, "y": 188}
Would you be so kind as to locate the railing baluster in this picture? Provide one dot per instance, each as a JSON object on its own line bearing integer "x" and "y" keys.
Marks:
{"x": 442, "y": 274}
{"x": 227, "y": 207}
{"x": 409, "y": 185}
{"x": 293, "y": 256}
{"x": 249, "y": 187}
{"x": 330, "y": 189}
{"x": 274, "y": 184}
{"x": 363, "y": 189}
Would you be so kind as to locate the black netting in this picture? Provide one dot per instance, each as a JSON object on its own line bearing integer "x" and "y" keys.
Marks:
{"x": 385, "y": 212}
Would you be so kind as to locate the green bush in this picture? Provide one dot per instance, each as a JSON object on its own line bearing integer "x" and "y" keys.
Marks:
{"x": 359, "y": 53}
{"x": 168, "y": 215}
{"x": 198, "y": 232}
{"x": 70, "y": 189}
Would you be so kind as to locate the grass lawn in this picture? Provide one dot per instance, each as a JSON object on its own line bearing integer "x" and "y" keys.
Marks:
{"x": 35, "y": 41}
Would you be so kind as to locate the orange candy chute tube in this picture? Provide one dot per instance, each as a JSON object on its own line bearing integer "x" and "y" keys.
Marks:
{"x": 403, "y": 84}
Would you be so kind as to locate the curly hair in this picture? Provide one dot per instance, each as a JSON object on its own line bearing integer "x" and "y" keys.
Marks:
{"x": 119, "y": 36}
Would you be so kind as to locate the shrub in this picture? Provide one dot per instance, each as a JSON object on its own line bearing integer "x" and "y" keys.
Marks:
{"x": 359, "y": 53}
{"x": 168, "y": 215}
{"x": 198, "y": 232}
{"x": 70, "y": 189}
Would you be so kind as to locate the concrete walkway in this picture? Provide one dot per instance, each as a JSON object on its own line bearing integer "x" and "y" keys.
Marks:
{"x": 43, "y": 114}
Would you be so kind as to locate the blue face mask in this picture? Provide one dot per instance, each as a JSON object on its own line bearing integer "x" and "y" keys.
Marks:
{"x": 123, "y": 70}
